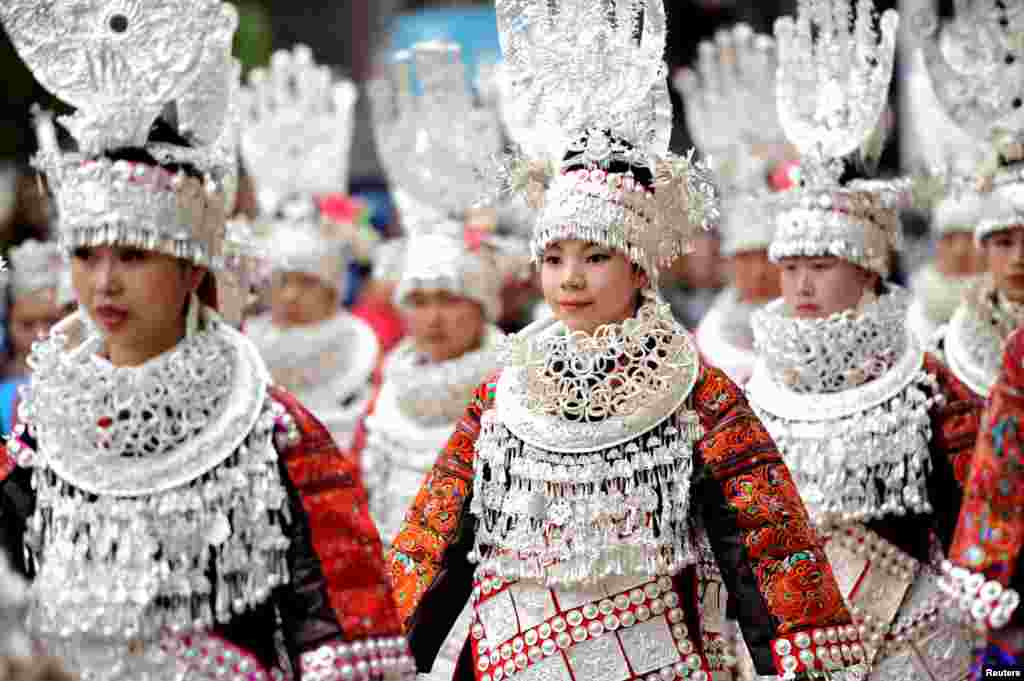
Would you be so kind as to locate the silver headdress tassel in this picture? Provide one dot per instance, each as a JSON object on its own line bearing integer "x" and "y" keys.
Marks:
{"x": 296, "y": 137}
{"x": 599, "y": 98}
{"x": 976, "y": 74}
{"x": 122, "y": 66}
{"x": 833, "y": 82}
{"x": 433, "y": 131}
{"x": 730, "y": 111}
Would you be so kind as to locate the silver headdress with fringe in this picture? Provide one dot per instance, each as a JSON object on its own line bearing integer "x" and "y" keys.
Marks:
{"x": 976, "y": 74}
{"x": 592, "y": 80}
{"x": 729, "y": 97}
{"x": 122, "y": 66}
{"x": 298, "y": 121}
{"x": 835, "y": 66}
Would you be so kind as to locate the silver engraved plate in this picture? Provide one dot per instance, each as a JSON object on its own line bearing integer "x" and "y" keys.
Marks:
{"x": 905, "y": 666}
{"x": 549, "y": 669}
{"x": 947, "y": 652}
{"x": 649, "y": 646}
{"x": 599, "y": 659}
{"x": 533, "y": 604}
{"x": 498, "y": 617}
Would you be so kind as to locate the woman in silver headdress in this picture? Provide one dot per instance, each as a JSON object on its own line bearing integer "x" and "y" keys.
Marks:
{"x": 876, "y": 431}
{"x": 599, "y": 480}
{"x": 179, "y": 516}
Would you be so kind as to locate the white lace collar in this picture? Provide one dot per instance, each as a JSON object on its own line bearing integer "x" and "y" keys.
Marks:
{"x": 132, "y": 431}
{"x": 976, "y": 333}
{"x": 434, "y": 394}
{"x": 569, "y": 392}
{"x": 725, "y": 336}
{"x": 330, "y": 361}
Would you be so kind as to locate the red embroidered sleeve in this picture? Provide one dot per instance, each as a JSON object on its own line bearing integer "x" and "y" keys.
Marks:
{"x": 990, "y": 533}
{"x": 782, "y": 549}
{"x": 344, "y": 537}
{"x": 955, "y": 419}
{"x": 432, "y": 523}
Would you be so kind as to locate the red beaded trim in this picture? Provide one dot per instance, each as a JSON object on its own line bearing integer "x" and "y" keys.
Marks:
{"x": 209, "y": 656}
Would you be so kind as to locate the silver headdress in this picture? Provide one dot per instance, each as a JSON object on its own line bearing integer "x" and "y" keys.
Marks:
{"x": 35, "y": 266}
{"x": 591, "y": 78}
{"x": 123, "y": 65}
{"x": 433, "y": 131}
{"x": 976, "y": 74}
{"x": 730, "y": 112}
{"x": 957, "y": 212}
{"x": 298, "y": 122}
{"x": 445, "y": 258}
{"x": 832, "y": 86}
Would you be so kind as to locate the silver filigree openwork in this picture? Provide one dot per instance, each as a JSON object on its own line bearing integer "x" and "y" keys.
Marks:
{"x": 848, "y": 402}
{"x": 119, "y": 62}
{"x": 298, "y": 122}
{"x": 618, "y": 371}
{"x": 432, "y": 132}
{"x": 579, "y": 64}
{"x": 834, "y": 73}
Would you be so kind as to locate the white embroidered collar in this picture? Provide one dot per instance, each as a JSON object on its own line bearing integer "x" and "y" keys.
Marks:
{"x": 433, "y": 394}
{"x": 133, "y": 431}
{"x": 322, "y": 363}
{"x": 975, "y": 335}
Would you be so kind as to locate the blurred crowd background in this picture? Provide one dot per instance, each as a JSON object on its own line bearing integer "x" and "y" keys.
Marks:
{"x": 354, "y": 35}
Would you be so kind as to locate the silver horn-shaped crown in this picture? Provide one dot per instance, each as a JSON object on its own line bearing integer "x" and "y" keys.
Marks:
{"x": 976, "y": 65}
{"x": 432, "y": 129}
{"x": 834, "y": 73}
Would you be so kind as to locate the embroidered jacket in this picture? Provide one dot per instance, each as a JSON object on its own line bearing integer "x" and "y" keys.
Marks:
{"x": 760, "y": 536}
{"x": 984, "y": 573}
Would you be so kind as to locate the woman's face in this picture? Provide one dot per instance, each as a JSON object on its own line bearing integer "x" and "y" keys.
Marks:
{"x": 588, "y": 285}
{"x": 32, "y": 316}
{"x": 443, "y": 326}
{"x": 138, "y": 298}
{"x": 301, "y": 299}
{"x": 815, "y": 288}
{"x": 756, "y": 277}
{"x": 957, "y": 256}
{"x": 1004, "y": 252}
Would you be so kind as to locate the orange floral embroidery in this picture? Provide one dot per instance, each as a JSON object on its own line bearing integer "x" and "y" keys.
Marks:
{"x": 432, "y": 522}
{"x": 784, "y": 550}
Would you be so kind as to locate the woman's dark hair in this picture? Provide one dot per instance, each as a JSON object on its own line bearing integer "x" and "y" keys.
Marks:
{"x": 642, "y": 175}
{"x": 160, "y": 133}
